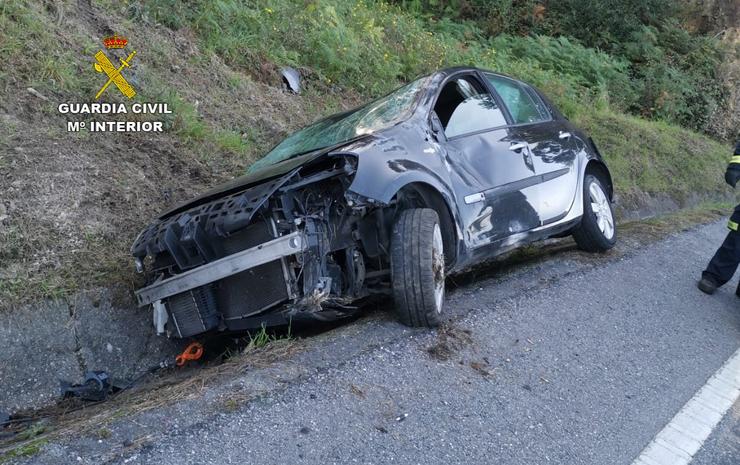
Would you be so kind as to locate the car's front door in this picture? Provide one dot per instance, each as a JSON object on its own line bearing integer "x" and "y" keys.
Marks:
{"x": 493, "y": 172}
{"x": 549, "y": 142}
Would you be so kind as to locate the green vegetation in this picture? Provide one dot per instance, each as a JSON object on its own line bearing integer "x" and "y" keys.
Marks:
{"x": 30, "y": 442}
{"x": 657, "y": 158}
{"x": 654, "y": 71}
{"x": 672, "y": 72}
{"x": 329, "y": 39}
{"x": 650, "y": 66}
{"x": 262, "y": 338}
{"x": 28, "y": 449}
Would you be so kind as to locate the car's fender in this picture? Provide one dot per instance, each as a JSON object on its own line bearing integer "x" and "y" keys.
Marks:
{"x": 589, "y": 158}
{"x": 389, "y": 163}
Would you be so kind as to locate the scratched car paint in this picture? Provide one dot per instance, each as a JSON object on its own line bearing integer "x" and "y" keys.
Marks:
{"x": 447, "y": 171}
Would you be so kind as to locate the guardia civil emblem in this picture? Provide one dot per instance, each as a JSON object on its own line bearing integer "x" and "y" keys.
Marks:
{"x": 104, "y": 65}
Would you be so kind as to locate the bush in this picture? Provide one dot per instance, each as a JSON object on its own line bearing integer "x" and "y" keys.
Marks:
{"x": 677, "y": 74}
{"x": 372, "y": 47}
{"x": 673, "y": 74}
{"x": 607, "y": 77}
{"x": 654, "y": 67}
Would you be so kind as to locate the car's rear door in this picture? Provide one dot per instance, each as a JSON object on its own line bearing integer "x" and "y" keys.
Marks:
{"x": 494, "y": 174}
{"x": 549, "y": 143}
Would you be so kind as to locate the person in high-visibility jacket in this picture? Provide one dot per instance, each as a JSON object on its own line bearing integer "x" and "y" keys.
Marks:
{"x": 725, "y": 261}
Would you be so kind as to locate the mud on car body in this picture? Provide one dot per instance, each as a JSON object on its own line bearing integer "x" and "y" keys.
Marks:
{"x": 447, "y": 171}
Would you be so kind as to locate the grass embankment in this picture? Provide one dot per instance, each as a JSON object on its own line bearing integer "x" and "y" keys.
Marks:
{"x": 71, "y": 203}
{"x": 658, "y": 159}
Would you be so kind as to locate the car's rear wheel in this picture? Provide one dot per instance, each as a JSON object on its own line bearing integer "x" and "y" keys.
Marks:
{"x": 418, "y": 267}
{"x": 597, "y": 231}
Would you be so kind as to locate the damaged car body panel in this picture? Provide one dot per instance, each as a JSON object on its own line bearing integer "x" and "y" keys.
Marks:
{"x": 313, "y": 227}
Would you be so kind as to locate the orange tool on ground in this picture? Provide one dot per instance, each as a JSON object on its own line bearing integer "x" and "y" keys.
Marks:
{"x": 194, "y": 351}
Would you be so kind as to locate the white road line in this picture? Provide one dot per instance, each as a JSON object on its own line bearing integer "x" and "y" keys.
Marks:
{"x": 684, "y": 435}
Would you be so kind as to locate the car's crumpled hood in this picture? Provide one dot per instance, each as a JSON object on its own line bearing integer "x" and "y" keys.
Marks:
{"x": 269, "y": 172}
{"x": 230, "y": 205}
{"x": 242, "y": 182}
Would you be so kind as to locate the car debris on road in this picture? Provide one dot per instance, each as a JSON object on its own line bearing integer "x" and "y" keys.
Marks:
{"x": 98, "y": 385}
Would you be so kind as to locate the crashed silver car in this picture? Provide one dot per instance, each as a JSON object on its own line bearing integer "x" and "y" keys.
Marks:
{"x": 445, "y": 172}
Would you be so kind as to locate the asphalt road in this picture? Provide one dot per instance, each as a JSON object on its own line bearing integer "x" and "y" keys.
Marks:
{"x": 567, "y": 360}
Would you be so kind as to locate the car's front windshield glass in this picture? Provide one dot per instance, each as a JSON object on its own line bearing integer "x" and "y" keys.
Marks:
{"x": 343, "y": 127}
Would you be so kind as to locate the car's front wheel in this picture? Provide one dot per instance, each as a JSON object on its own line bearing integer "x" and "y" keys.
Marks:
{"x": 418, "y": 267}
{"x": 597, "y": 231}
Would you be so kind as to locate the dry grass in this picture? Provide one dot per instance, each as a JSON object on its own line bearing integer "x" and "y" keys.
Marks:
{"x": 70, "y": 417}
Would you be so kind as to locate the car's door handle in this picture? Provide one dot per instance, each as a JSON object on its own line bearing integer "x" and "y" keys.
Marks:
{"x": 518, "y": 146}
{"x": 564, "y": 135}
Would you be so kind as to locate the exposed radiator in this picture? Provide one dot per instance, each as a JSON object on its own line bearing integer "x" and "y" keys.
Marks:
{"x": 193, "y": 311}
{"x": 234, "y": 297}
{"x": 254, "y": 290}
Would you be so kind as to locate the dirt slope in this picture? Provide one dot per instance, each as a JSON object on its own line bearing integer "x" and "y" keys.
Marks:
{"x": 71, "y": 203}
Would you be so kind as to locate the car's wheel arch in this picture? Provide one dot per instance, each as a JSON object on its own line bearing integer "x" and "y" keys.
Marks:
{"x": 599, "y": 169}
{"x": 419, "y": 194}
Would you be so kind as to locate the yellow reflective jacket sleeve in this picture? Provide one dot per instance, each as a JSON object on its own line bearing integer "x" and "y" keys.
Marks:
{"x": 732, "y": 174}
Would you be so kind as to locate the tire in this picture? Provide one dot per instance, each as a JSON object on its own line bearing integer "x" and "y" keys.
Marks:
{"x": 417, "y": 267}
{"x": 597, "y": 231}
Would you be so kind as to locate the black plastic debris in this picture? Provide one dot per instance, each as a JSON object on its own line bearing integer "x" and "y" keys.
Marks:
{"x": 5, "y": 421}
{"x": 97, "y": 386}
{"x": 292, "y": 79}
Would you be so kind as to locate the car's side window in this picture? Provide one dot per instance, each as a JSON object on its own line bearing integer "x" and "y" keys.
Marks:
{"x": 523, "y": 104}
{"x": 464, "y": 106}
{"x": 539, "y": 103}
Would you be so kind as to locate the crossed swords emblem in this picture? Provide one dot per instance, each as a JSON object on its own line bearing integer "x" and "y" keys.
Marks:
{"x": 104, "y": 65}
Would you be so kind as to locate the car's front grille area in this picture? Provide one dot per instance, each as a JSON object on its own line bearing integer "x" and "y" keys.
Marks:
{"x": 235, "y": 297}
{"x": 187, "y": 236}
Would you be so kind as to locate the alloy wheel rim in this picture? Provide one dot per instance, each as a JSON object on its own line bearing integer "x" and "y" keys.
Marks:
{"x": 438, "y": 268}
{"x": 601, "y": 208}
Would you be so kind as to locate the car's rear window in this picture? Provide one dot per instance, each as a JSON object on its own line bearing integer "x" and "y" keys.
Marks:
{"x": 523, "y": 103}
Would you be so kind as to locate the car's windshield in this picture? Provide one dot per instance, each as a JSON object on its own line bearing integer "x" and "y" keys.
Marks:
{"x": 376, "y": 115}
